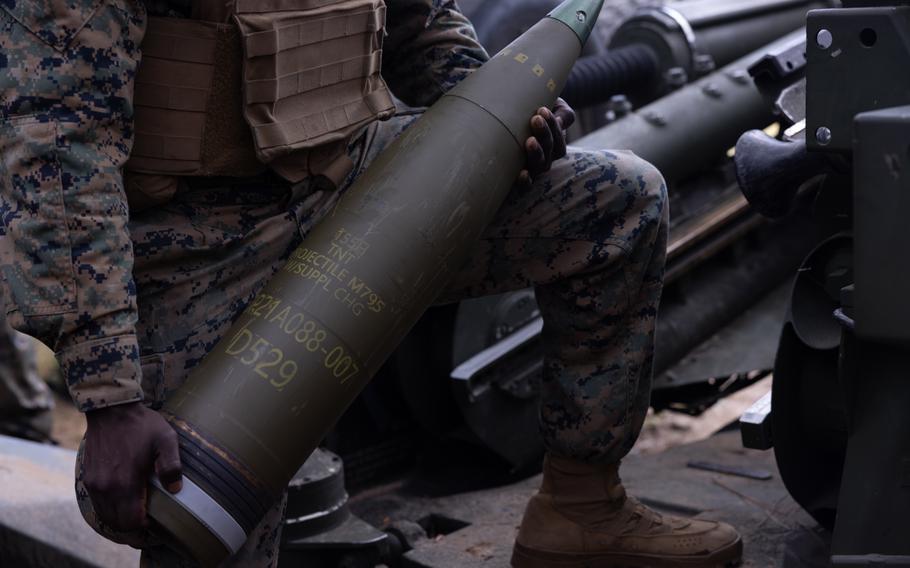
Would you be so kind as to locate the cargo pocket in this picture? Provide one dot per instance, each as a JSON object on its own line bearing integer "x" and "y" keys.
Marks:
{"x": 55, "y": 22}
{"x": 311, "y": 74}
{"x": 35, "y": 248}
{"x": 189, "y": 119}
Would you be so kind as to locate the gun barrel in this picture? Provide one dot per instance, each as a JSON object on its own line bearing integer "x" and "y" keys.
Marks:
{"x": 659, "y": 49}
{"x": 687, "y": 130}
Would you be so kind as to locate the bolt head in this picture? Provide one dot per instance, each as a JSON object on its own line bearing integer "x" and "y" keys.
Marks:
{"x": 823, "y": 135}
{"x": 712, "y": 91}
{"x": 824, "y": 39}
{"x": 704, "y": 63}
{"x": 655, "y": 118}
{"x": 619, "y": 104}
{"x": 740, "y": 76}
{"x": 676, "y": 77}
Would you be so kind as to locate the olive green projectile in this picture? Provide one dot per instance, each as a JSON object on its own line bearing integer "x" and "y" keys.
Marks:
{"x": 271, "y": 389}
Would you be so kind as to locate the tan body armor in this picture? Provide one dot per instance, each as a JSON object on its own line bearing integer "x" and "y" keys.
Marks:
{"x": 269, "y": 83}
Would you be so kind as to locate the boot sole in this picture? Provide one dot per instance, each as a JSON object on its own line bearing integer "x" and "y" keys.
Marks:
{"x": 524, "y": 557}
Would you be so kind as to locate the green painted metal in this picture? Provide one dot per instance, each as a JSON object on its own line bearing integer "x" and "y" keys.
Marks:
{"x": 580, "y": 16}
{"x": 718, "y": 107}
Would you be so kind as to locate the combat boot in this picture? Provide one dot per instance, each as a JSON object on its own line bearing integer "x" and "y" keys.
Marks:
{"x": 581, "y": 517}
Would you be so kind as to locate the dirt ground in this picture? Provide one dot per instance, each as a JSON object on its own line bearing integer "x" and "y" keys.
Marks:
{"x": 69, "y": 423}
{"x": 667, "y": 429}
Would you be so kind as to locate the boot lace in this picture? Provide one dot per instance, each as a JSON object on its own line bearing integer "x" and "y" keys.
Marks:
{"x": 642, "y": 517}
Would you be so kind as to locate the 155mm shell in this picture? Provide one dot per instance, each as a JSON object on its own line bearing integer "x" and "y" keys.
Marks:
{"x": 266, "y": 395}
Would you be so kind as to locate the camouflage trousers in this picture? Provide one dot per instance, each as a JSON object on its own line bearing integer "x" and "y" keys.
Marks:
{"x": 589, "y": 236}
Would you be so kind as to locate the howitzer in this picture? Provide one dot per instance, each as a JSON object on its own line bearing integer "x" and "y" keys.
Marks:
{"x": 701, "y": 118}
{"x": 838, "y": 415}
{"x": 654, "y": 50}
{"x": 661, "y": 49}
{"x": 269, "y": 391}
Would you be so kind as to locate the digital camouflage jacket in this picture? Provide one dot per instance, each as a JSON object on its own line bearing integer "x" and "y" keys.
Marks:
{"x": 67, "y": 69}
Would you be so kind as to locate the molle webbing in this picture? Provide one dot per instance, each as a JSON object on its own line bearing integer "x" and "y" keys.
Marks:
{"x": 189, "y": 118}
{"x": 295, "y": 83}
{"x": 311, "y": 72}
{"x": 286, "y": 84}
{"x": 266, "y": 6}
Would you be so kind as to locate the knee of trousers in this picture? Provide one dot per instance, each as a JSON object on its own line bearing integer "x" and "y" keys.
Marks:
{"x": 654, "y": 188}
{"x": 656, "y": 215}
{"x": 633, "y": 196}
{"x": 647, "y": 189}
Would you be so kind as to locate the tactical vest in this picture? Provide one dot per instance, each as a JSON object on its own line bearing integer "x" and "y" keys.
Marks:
{"x": 281, "y": 84}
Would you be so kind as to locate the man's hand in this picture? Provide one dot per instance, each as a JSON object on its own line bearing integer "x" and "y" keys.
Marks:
{"x": 548, "y": 140}
{"x": 123, "y": 445}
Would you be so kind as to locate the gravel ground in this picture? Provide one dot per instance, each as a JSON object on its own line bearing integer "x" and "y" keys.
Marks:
{"x": 669, "y": 429}
{"x": 69, "y": 423}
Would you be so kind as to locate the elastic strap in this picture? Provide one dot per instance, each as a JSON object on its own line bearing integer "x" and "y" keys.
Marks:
{"x": 270, "y": 90}
{"x": 310, "y": 30}
{"x": 333, "y": 119}
{"x": 264, "y": 6}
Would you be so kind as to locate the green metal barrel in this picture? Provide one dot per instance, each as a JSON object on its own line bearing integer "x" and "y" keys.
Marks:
{"x": 689, "y": 129}
{"x": 268, "y": 393}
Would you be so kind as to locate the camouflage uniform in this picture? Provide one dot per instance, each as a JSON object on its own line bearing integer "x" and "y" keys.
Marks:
{"x": 589, "y": 235}
{"x": 66, "y": 80}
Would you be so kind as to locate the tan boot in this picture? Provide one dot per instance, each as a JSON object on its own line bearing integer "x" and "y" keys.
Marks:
{"x": 581, "y": 517}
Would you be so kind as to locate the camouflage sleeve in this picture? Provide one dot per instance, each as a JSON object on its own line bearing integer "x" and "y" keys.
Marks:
{"x": 66, "y": 82}
{"x": 430, "y": 47}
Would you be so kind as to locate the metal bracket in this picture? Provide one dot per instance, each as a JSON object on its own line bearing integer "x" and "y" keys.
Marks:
{"x": 755, "y": 425}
